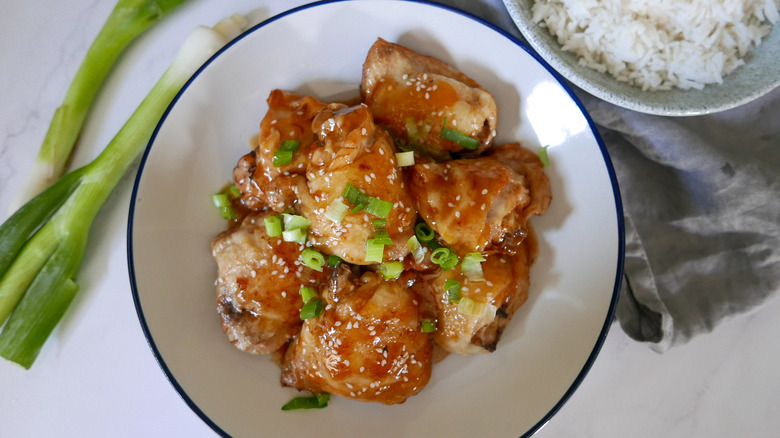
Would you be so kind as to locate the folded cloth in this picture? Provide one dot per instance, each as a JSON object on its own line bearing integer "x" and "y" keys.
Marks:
{"x": 701, "y": 200}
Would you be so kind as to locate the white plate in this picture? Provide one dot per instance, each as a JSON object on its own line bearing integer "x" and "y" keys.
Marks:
{"x": 552, "y": 340}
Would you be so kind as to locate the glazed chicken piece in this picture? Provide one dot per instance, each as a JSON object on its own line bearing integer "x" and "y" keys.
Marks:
{"x": 259, "y": 315}
{"x": 504, "y": 290}
{"x": 367, "y": 344}
{"x": 411, "y": 95}
{"x": 473, "y": 203}
{"x": 353, "y": 150}
{"x": 262, "y": 183}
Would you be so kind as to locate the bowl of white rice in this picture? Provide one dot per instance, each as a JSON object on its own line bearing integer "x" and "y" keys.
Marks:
{"x": 665, "y": 57}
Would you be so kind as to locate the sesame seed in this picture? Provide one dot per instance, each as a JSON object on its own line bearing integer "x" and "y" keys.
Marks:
{"x": 284, "y": 294}
{"x": 489, "y": 283}
{"x": 484, "y": 191}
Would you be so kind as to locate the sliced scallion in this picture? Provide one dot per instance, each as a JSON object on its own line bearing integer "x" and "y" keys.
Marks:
{"x": 391, "y": 270}
{"x": 472, "y": 266}
{"x": 354, "y": 196}
{"x": 293, "y": 221}
{"x": 333, "y": 260}
{"x": 308, "y": 294}
{"x": 418, "y": 251}
{"x": 282, "y": 157}
{"x": 444, "y": 257}
{"x": 481, "y": 310}
{"x": 273, "y": 226}
{"x": 375, "y": 251}
{"x": 381, "y": 236}
{"x": 405, "y": 158}
{"x": 336, "y": 211}
{"x": 458, "y": 137}
{"x": 424, "y": 232}
{"x": 427, "y": 326}
{"x": 543, "y": 157}
{"x": 297, "y": 235}
{"x": 378, "y": 207}
{"x": 313, "y": 259}
{"x": 452, "y": 287}
{"x": 317, "y": 401}
{"x": 312, "y": 309}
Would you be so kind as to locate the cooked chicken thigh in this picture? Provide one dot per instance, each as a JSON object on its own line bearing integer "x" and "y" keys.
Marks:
{"x": 504, "y": 290}
{"x": 259, "y": 315}
{"x": 353, "y": 150}
{"x": 261, "y": 182}
{"x": 411, "y": 95}
{"x": 473, "y": 203}
{"x": 367, "y": 344}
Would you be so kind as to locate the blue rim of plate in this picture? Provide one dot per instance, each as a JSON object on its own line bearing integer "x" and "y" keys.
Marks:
{"x": 605, "y": 155}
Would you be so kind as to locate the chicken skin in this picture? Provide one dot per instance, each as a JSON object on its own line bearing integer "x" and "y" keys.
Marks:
{"x": 258, "y": 315}
{"x": 504, "y": 290}
{"x": 475, "y": 203}
{"x": 367, "y": 343}
{"x": 412, "y": 95}
{"x": 366, "y": 324}
{"x": 289, "y": 118}
{"x": 353, "y": 150}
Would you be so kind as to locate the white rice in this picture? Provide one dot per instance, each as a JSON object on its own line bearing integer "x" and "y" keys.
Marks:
{"x": 659, "y": 44}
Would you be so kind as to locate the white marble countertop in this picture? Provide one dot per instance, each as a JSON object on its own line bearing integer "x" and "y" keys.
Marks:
{"x": 97, "y": 376}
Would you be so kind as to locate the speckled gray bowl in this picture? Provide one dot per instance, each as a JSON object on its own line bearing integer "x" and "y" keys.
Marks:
{"x": 759, "y": 75}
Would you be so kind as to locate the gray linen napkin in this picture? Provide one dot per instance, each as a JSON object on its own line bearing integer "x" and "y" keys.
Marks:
{"x": 701, "y": 199}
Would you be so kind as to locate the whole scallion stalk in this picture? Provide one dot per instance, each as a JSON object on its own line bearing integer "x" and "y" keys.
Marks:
{"x": 127, "y": 20}
{"x": 42, "y": 244}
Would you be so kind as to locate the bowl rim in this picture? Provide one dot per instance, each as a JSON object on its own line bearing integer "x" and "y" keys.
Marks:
{"x": 543, "y": 43}
{"x": 619, "y": 269}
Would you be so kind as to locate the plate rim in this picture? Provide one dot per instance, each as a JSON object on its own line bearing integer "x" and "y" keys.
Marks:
{"x": 558, "y": 77}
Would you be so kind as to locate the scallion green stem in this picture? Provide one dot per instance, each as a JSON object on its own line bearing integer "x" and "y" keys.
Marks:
{"x": 48, "y": 236}
{"x": 127, "y": 20}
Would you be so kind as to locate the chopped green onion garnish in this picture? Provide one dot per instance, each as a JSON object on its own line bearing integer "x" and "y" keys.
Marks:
{"x": 405, "y": 158}
{"x": 375, "y": 251}
{"x": 293, "y": 221}
{"x": 472, "y": 266}
{"x": 336, "y": 211}
{"x": 458, "y": 137}
{"x": 228, "y": 212}
{"x": 317, "y": 401}
{"x": 452, "y": 287}
{"x": 354, "y": 196}
{"x": 543, "y": 156}
{"x": 282, "y": 157}
{"x": 221, "y": 200}
{"x": 308, "y": 294}
{"x": 391, "y": 270}
{"x": 233, "y": 192}
{"x": 428, "y": 326}
{"x": 333, "y": 260}
{"x": 418, "y": 251}
{"x": 273, "y": 226}
{"x": 379, "y": 222}
{"x": 297, "y": 235}
{"x": 444, "y": 257}
{"x": 381, "y": 236}
{"x": 378, "y": 207}
{"x": 467, "y": 306}
{"x": 360, "y": 200}
{"x": 285, "y": 153}
{"x": 312, "y": 309}
{"x": 290, "y": 145}
{"x": 424, "y": 232}
{"x": 313, "y": 259}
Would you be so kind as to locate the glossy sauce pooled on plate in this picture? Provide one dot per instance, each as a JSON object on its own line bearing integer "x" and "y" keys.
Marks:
{"x": 380, "y": 317}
